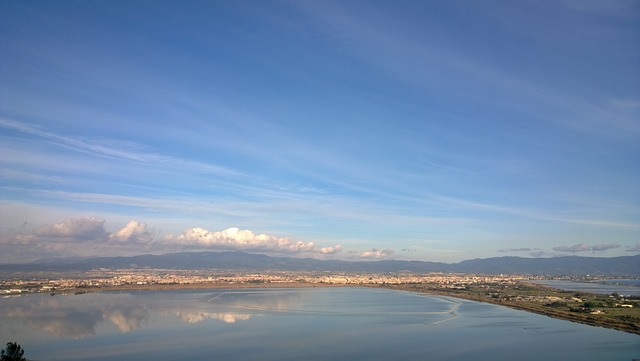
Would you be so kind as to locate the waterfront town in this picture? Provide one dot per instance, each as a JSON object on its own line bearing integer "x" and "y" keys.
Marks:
{"x": 96, "y": 280}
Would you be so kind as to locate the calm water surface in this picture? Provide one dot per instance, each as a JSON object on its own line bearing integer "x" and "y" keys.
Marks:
{"x": 623, "y": 287}
{"x": 294, "y": 324}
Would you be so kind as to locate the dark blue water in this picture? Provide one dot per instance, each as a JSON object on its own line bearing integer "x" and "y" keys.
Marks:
{"x": 294, "y": 324}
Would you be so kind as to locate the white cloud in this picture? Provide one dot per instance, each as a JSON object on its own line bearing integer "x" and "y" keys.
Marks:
{"x": 82, "y": 236}
{"x": 134, "y": 231}
{"x": 245, "y": 240}
{"x": 331, "y": 250}
{"x": 374, "y": 253}
{"x": 126, "y": 151}
{"x": 81, "y": 229}
{"x": 87, "y": 236}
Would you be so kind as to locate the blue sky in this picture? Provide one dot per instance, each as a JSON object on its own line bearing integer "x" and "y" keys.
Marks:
{"x": 429, "y": 130}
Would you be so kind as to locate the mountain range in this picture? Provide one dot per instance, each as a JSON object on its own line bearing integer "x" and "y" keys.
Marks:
{"x": 625, "y": 266}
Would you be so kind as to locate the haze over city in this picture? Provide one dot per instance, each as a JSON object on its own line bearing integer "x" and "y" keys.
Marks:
{"x": 426, "y": 130}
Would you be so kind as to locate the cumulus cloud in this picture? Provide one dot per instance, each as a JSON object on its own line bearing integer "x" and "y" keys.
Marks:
{"x": 134, "y": 231}
{"x": 81, "y": 229}
{"x": 81, "y": 236}
{"x": 59, "y": 237}
{"x": 236, "y": 239}
{"x": 331, "y": 250}
{"x": 374, "y": 253}
{"x": 581, "y": 247}
{"x": 86, "y": 235}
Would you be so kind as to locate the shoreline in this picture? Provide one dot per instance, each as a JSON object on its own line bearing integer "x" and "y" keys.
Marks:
{"x": 196, "y": 286}
{"x": 586, "y": 319}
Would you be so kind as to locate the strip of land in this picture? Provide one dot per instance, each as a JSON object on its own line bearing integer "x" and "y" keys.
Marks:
{"x": 591, "y": 309}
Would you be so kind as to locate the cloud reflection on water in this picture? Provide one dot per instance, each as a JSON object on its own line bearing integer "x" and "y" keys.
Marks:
{"x": 197, "y": 317}
{"x": 74, "y": 316}
{"x": 79, "y": 316}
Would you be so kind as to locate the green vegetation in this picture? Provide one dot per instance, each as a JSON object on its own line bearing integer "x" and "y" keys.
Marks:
{"x": 13, "y": 352}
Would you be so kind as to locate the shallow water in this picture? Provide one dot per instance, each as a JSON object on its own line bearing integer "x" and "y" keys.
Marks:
{"x": 623, "y": 287}
{"x": 294, "y": 324}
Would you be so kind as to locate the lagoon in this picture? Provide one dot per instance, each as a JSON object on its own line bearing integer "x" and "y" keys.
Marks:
{"x": 607, "y": 287}
{"x": 294, "y": 324}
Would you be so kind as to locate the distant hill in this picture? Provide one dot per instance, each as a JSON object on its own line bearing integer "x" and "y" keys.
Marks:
{"x": 628, "y": 266}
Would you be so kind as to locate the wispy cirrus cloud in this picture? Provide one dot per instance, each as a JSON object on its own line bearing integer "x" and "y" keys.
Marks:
{"x": 523, "y": 249}
{"x": 581, "y": 247}
{"x": 428, "y": 60}
{"x": 560, "y": 250}
{"x": 604, "y": 247}
{"x": 531, "y": 213}
{"x": 127, "y": 151}
{"x": 278, "y": 207}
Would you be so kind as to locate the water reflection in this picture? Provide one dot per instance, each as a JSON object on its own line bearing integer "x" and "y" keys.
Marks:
{"x": 295, "y": 324}
{"x": 196, "y": 317}
{"x": 65, "y": 324}
{"x": 78, "y": 316}
{"x": 241, "y": 305}
{"x": 73, "y": 316}
{"x": 127, "y": 319}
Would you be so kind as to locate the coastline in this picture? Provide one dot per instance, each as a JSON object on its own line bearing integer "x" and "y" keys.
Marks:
{"x": 540, "y": 309}
{"x": 586, "y": 319}
{"x": 200, "y": 286}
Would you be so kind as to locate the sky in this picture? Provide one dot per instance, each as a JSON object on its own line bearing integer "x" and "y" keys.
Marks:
{"x": 354, "y": 130}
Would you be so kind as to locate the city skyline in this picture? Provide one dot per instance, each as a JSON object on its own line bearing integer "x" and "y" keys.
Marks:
{"x": 435, "y": 131}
